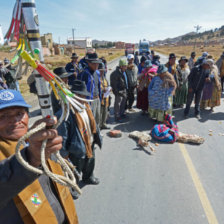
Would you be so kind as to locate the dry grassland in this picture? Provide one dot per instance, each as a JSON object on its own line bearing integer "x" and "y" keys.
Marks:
{"x": 214, "y": 50}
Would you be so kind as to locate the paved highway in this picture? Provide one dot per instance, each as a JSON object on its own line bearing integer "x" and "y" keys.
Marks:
{"x": 179, "y": 184}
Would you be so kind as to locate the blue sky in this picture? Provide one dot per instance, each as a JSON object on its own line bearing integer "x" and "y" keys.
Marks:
{"x": 125, "y": 20}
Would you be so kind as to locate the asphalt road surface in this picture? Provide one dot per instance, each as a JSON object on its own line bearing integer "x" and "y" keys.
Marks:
{"x": 178, "y": 184}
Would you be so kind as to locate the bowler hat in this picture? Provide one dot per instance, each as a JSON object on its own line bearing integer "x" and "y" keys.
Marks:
{"x": 172, "y": 55}
{"x": 148, "y": 64}
{"x": 162, "y": 69}
{"x": 12, "y": 98}
{"x": 61, "y": 72}
{"x": 101, "y": 66}
{"x": 79, "y": 87}
{"x": 74, "y": 55}
{"x": 143, "y": 59}
{"x": 193, "y": 53}
{"x": 183, "y": 58}
{"x": 92, "y": 58}
{"x": 123, "y": 62}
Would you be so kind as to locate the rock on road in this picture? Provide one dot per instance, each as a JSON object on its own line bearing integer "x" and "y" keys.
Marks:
{"x": 177, "y": 185}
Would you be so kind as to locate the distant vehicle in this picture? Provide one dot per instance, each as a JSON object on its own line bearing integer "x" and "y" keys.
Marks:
{"x": 143, "y": 47}
{"x": 129, "y": 48}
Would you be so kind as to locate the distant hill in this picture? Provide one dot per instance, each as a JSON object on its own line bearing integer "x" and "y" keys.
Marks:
{"x": 210, "y": 36}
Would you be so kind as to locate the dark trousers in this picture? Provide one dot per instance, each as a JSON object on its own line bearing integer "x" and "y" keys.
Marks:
{"x": 131, "y": 98}
{"x": 222, "y": 81}
{"x": 85, "y": 166}
{"x": 190, "y": 97}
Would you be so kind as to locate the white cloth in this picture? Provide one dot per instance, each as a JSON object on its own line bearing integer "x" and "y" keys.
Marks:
{"x": 86, "y": 121}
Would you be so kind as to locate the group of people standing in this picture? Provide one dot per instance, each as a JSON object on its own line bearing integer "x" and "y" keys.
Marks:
{"x": 162, "y": 87}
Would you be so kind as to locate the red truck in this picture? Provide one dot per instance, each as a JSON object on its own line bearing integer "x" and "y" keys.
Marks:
{"x": 129, "y": 49}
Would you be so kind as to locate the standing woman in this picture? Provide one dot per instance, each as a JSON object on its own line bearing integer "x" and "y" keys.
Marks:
{"x": 212, "y": 90}
{"x": 161, "y": 91}
{"x": 183, "y": 72}
{"x": 144, "y": 79}
{"x": 104, "y": 97}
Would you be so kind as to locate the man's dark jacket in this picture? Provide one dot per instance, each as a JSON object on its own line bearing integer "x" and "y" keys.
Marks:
{"x": 196, "y": 79}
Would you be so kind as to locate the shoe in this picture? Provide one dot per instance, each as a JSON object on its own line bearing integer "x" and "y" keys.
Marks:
{"x": 75, "y": 194}
{"x": 198, "y": 116}
{"x": 92, "y": 180}
{"x": 104, "y": 127}
{"x": 123, "y": 116}
{"x": 131, "y": 110}
{"x": 186, "y": 116}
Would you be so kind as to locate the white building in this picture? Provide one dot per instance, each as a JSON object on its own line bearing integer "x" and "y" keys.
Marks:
{"x": 1, "y": 36}
{"x": 82, "y": 42}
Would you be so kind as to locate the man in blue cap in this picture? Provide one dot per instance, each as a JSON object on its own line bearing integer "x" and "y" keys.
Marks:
{"x": 25, "y": 196}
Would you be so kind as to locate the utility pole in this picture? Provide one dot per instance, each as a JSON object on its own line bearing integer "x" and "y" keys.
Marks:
{"x": 197, "y": 29}
{"x": 73, "y": 35}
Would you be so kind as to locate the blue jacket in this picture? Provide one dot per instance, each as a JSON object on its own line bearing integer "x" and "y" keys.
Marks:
{"x": 87, "y": 77}
{"x": 72, "y": 139}
{"x": 70, "y": 68}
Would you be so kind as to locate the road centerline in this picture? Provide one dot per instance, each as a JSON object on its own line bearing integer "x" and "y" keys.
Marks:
{"x": 210, "y": 214}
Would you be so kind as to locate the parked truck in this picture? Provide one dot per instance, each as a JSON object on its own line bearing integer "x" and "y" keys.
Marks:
{"x": 129, "y": 48}
{"x": 143, "y": 47}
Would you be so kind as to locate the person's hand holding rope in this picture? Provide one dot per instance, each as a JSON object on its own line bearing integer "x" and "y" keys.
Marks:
{"x": 53, "y": 145}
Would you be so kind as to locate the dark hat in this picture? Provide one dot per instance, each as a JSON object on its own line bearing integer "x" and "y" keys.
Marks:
{"x": 143, "y": 59}
{"x": 93, "y": 58}
{"x": 61, "y": 72}
{"x": 74, "y": 55}
{"x": 79, "y": 87}
{"x": 193, "y": 53}
{"x": 152, "y": 52}
{"x": 183, "y": 58}
{"x": 101, "y": 66}
{"x": 6, "y": 61}
{"x": 172, "y": 55}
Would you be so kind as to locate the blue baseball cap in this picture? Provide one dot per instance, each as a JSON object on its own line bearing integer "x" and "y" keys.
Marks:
{"x": 12, "y": 98}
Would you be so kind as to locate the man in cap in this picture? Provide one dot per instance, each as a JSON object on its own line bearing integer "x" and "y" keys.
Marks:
{"x": 25, "y": 196}
{"x": 192, "y": 60}
{"x": 119, "y": 84}
{"x": 80, "y": 133}
{"x": 196, "y": 81}
{"x": 72, "y": 67}
{"x": 64, "y": 75}
{"x": 91, "y": 77}
{"x": 132, "y": 73}
{"x": 220, "y": 65}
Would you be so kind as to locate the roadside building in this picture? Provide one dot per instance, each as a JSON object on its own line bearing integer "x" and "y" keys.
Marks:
{"x": 47, "y": 43}
{"x": 82, "y": 42}
{"x": 120, "y": 45}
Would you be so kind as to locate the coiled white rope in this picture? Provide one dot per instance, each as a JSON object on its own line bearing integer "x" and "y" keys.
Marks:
{"x": 69, "y": 178}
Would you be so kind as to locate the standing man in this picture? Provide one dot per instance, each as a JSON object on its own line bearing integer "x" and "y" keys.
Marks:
{"x": 220, "y": 65}
{"x": 136, "y": 59}
{"x": 192, "y": 60}
{"x": 72, "y": 67}
{"x": 132, "y": 72}
{"x": 119, "y": 84}
{"x": 91, "y": 77}
{"x": 80, "y": 134}
{"x": 196, "y": 81}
